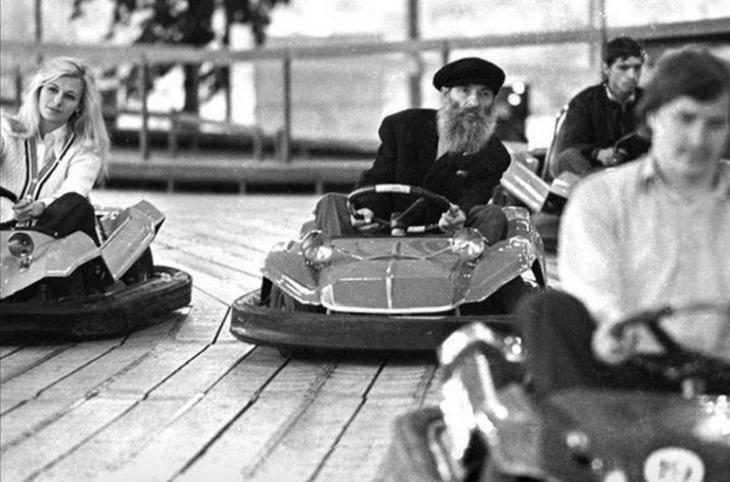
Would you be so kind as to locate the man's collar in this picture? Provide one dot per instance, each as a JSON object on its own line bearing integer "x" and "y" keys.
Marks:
{"x": 611, "y": 96}
{"x": 649, "y": 175}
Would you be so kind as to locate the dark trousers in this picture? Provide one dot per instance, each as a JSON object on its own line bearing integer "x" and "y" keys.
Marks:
{"x": 69, "y": 213}
{"x": 557, "y": 331}
{"x": 331, "y": 217}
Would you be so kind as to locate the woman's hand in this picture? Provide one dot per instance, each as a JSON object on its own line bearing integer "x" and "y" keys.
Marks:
{"x": 25, "y": 209}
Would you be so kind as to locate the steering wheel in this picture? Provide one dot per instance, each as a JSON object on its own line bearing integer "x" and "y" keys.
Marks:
{"x": 400, "y": 220}
{"x": 7, "y": 200}
{"x": 678, "y": 363}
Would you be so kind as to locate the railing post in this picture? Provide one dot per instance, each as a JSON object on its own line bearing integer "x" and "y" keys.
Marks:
{"x": 416, "y": 66}
{"x": 445, "y": 53}
{"x": 144, "y": 146}
{"x": 285, "y": 147}
{"x": 18, "y": 86}
{"x": 597, "y": 9}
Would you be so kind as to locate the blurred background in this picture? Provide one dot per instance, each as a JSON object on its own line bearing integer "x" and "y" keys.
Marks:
{"x": 288, "y": 79}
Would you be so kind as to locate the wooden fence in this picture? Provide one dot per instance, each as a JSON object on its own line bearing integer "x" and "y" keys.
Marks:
{"x": 21, "y": 56}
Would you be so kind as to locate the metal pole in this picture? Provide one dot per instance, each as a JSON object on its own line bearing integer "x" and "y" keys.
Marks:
{"x": 38, "y": 28}
{"x": 416, "y": 70}
{"x": 38, "y": 18}
{"x": 597, "y": 9}
{"x": 144, "y": 146}
{"x": 445, "y": 53}
{"x": 286, "y": 129}
{"x": 18, "y": 86}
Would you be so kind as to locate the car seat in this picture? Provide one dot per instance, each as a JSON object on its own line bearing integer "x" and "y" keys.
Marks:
{"x": 550, "y": 166}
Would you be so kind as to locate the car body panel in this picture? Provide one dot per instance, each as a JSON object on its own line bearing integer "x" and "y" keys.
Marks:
{"x": 69, "y": 288}
{"x": 377, "y": 292}
{"x": 51, "y": 258}
{"x": 633, "y": 432}
{"x": 579, "y": 433}
{"x": 134, "y": 232}
{"x": 131, "y": 231}
{"x": 405, "y": 275}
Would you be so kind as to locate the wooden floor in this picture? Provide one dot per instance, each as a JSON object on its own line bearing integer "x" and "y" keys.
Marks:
{"x": 184, "y": 400}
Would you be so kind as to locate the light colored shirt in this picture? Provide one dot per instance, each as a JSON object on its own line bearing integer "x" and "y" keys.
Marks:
{"x": 629, "y": 243}
{"x": 74, "y": 167}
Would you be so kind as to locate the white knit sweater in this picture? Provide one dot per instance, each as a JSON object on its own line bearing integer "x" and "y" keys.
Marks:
{"x": 74, "y": 168}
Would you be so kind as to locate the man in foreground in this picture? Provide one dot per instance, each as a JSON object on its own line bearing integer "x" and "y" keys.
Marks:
{"x": 652, "y": 233}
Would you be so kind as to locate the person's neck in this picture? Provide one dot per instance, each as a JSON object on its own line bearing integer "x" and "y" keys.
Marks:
{"x": 47, "y": 127}
{"x": 689, "y": 185}
{"x": 621, "y": 97}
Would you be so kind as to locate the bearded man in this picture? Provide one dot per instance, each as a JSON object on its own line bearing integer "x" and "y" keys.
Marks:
{"x": 451, "y": 152}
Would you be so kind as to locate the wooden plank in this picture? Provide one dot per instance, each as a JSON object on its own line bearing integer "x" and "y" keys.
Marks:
{"x": 29, "y": 418}
{"x": 182, "y": 441}
{"x": 360, "y": 451}
{"x": 92, "y": 378}
{"x": 405, "y": 376}
{"x": 204, "y": 321}
{"x": 20, "y": 361}
{"x": 203, "y": 371}
{"x": 34, "y": 381}
{"x": 402, "y": 386}
{"x": 111, "y": 447}
{"x": 225, "y": 336}
{"x": 219, "y": 281}
{"x": 242, "y": 260}
{"x": 123, "y": 439}
{"x": 297, "y": 456}
{"x": 8, "y": 350}
{"x": 154, "y": 368}
{"x": 284, "y": 413}
{"x": 32, "y": 455}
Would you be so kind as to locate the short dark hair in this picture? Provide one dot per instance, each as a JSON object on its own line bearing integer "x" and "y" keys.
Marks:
{"x": 693, "y": 73}
{"x": 621, "y": 48}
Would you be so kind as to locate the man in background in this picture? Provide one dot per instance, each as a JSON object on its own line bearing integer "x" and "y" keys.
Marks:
{"x": 600, "y": 128}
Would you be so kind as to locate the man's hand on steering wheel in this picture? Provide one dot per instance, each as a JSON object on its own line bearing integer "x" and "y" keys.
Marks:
{"x": 452, "y": 220}
{"x": 362, "y": 220}
{"x": 611, "y": 346}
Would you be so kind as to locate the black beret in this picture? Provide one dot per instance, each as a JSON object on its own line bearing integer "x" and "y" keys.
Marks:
{"x": 470, "y": 70}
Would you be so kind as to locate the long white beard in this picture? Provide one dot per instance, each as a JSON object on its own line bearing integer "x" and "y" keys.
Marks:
{"x": 464, "y": 129}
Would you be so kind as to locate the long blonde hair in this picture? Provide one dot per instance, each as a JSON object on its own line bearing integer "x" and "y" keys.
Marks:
{"x": 87, "y": 123}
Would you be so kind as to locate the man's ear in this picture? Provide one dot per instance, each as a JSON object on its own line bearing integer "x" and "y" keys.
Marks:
{"x": 605, "y": 68}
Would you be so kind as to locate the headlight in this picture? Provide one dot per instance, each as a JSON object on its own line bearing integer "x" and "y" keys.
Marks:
{"x": 316, "y": 249}
{"x": 21, "y": 245}
{"x": 468, "y": 244}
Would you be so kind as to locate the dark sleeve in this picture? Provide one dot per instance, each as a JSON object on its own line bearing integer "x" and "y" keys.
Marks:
{"x": 484, "y": 170}
{"x": 487, "y": 178}
{"x": 578, "y": 131}
{"x": 382, "y": 170}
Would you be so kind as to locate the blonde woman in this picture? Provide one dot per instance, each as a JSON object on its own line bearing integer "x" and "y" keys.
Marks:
{"x": 53, "y": 151}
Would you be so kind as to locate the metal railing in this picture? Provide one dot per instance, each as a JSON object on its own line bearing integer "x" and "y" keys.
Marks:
{"x": 20, "y": 55}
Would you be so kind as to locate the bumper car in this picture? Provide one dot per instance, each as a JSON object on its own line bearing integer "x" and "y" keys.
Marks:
{"x": 71, "y": 288}
{"x": 488, "y": 427}
{"x": 405, "y": 288}
{"x": 544, "y": 200}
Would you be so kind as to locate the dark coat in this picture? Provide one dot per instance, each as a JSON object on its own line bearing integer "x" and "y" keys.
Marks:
{"x": 407, "y": 155}
{"x": 594, "y": 121}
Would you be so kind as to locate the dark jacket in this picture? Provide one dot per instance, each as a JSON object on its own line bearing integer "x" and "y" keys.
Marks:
{"x": 594, "y": 121}
{"x": 407, "y": 155}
